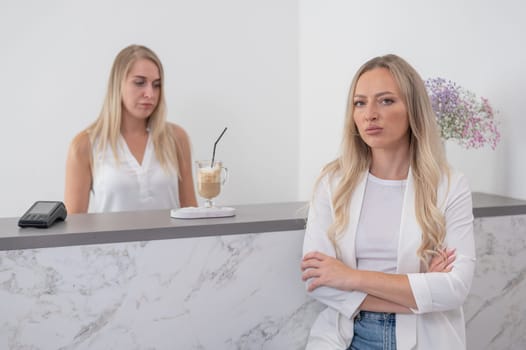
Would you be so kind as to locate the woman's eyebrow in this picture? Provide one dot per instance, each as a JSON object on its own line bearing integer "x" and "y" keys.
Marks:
{"x": 144, "y": 77}
{"x": 376, "y": 95}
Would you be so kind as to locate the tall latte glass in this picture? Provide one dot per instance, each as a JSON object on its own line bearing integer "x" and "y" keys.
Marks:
{"x": 210, "y": 179}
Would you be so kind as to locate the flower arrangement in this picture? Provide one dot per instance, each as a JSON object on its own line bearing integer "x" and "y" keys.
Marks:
{"x": 461, "y": 115}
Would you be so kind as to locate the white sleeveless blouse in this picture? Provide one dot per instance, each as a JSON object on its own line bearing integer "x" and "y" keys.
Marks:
{"x": 127, "y": 185}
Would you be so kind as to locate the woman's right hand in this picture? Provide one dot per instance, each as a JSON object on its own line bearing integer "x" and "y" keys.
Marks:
{"x": 443, "y": 261}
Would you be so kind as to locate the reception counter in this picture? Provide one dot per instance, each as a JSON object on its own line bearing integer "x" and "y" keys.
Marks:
{"x": 143, "y": 280}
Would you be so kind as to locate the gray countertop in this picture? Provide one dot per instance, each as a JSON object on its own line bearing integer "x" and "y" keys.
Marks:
{"x": 81, "y": 229}
{"x": 486, "y": 205}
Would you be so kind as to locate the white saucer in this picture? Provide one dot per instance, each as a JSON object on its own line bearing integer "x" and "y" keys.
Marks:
{"x": 202, "y": 212}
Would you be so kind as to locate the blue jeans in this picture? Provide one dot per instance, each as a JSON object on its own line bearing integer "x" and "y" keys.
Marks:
{"x": 374, "y": 331}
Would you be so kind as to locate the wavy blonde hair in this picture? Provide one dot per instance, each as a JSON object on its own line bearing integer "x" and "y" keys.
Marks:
{"x": 106, "y": 129}
{"x": 427, "y": 158}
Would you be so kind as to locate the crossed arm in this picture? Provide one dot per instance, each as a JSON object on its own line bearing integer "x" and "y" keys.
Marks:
{"x": 385, "y": 292}
{"x": 341, "y": 287}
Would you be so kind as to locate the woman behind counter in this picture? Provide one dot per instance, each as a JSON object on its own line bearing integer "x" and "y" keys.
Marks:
{"x": 389, "y": 244}
{"x": 131, "y": 158}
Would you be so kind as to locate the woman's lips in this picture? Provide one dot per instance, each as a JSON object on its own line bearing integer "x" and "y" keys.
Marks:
{"x": 373, "y": 130}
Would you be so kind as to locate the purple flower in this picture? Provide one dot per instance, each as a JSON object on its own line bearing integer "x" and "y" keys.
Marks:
{"x": 461, "y": 115}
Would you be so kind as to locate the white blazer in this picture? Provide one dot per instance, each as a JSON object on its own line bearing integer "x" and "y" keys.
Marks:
{"x": 438, "y": 322}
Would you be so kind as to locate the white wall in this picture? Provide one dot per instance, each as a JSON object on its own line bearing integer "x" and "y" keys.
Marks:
{"x": 228, "y": 63}
{"x": 477, "y": 43}
{"x": 275, "y": 72}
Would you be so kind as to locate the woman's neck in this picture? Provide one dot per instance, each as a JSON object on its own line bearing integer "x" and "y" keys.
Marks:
{"x": 390, "y": 165}
{"x": 133, "y": 126}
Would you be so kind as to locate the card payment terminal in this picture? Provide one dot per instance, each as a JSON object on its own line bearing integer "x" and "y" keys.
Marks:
{"x": 43, "y": 214}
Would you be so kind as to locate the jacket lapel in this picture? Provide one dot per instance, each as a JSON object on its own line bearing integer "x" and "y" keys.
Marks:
{"x": 349, "y": 239}
{"x": 409, "y": 240}
{"x": 410, "y": 236}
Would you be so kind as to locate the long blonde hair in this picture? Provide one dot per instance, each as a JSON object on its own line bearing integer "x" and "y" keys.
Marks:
{"x": 106, "y": 129}
{"x": 427, "y": 158}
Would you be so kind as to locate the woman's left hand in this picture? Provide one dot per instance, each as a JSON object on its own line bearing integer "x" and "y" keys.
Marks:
{"x": 443, "y": 261}
{"x": 324, "y": 270}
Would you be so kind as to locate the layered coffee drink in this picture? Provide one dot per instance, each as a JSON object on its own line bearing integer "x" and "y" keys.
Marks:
{"x": 210, "y": 178}
{"x": 209, "y": 181}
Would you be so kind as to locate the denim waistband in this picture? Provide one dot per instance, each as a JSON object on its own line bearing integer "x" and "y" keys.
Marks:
{"x": 381, "y": 316}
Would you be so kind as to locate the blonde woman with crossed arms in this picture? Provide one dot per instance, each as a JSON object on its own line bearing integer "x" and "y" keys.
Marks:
{"x": 389, "y": 245}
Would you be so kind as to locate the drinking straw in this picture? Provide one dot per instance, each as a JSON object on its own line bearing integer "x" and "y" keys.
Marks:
{"x": 215, "y": 144}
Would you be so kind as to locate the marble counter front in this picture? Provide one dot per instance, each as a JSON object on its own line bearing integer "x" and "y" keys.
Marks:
{"x": 147, "y": 281}
{"x": 240, "y": 291}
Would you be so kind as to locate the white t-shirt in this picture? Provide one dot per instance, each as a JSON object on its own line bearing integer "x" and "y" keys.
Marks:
{"x": 379, "y": 225}
{"x": 127, "y": 185}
